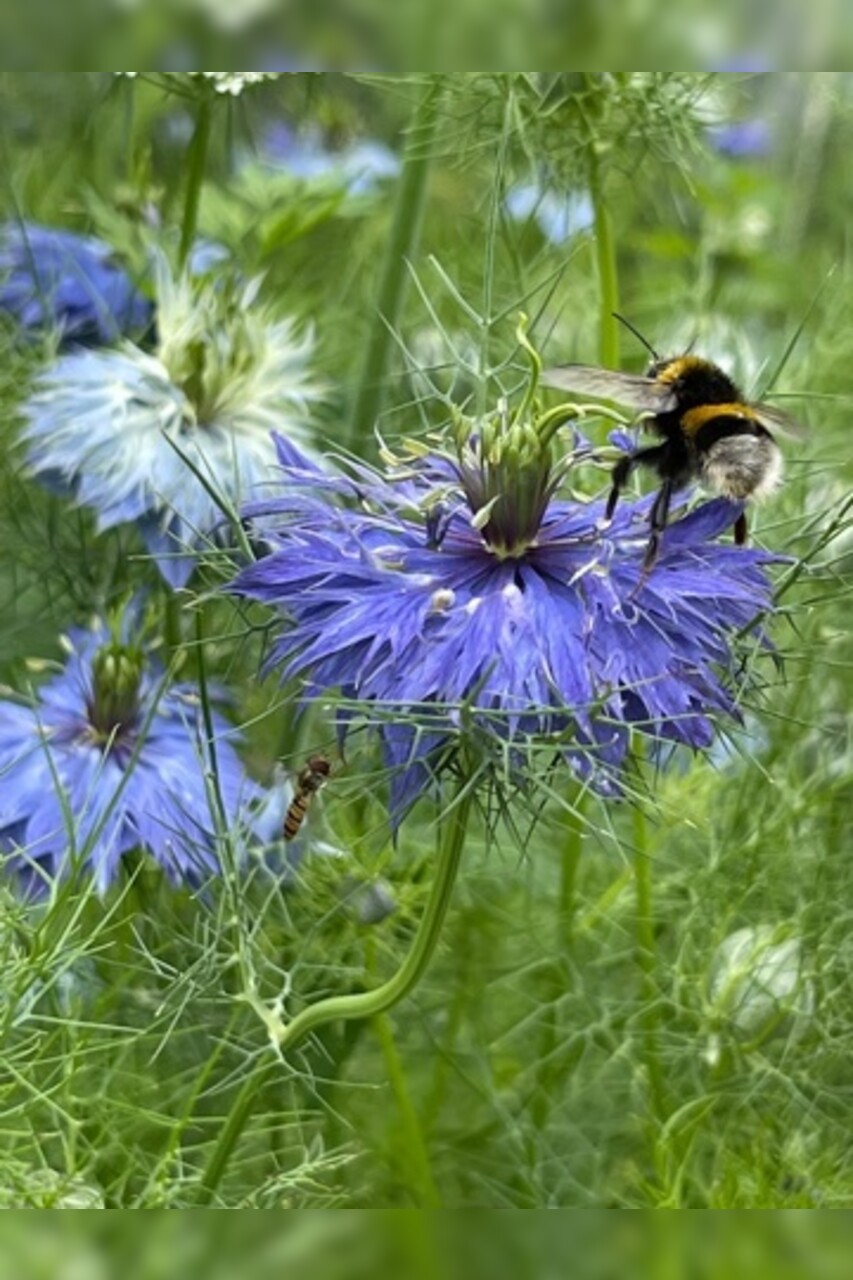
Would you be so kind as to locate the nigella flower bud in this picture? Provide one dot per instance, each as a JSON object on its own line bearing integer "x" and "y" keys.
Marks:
{"x": 374, "y": 902}
{"x": 116, "y": 678}
{"x": 758, "y": 988}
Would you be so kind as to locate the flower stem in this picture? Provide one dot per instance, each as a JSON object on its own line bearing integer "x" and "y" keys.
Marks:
{"x": 557, "y": 977}
{"x": 608, "y": 278}
{"x": 364, "y": 1004}
{"x": 173, "y": 611}
{"x": 412, "y": 1137}
{"x": 369, "y": 1004}
{"x": 402, "y": 245}
{"x": 197, "y": 160}
{"x": 650, "y": 1017}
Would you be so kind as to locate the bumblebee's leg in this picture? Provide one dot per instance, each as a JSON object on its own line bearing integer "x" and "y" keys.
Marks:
{"x": 618, "y": 479}
{"x": 658, "y": 519}
{"x": 621, "y": 473}
{"x": 741, "y": 530}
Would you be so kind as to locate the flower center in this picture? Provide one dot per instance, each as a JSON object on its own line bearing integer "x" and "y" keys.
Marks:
{"x": 211, "y": 343}
{"x": 506, "y": 477}
{"x": 114, "y": 703}
{"x": 506, "y": 465}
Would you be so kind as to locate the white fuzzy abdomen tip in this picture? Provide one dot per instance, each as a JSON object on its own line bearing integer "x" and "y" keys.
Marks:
{"x": 743, "y": 467}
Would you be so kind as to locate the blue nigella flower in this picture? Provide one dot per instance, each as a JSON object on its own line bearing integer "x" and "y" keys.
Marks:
{"x": 468, "y": 581}
{"x": 173, "y": 438}
{"x": 558, "y": 214}
{"x": 742, "y": 139}
{"x": 58, "y": 280}
{"x": 110, "y": 758}
{"x": 360, "y": 166}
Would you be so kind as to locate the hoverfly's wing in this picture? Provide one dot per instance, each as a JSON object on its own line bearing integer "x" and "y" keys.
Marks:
{"x": 643, "y": 394}
{"x": 773, "y": 419}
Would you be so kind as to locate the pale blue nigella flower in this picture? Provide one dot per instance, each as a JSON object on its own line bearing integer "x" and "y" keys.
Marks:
{"x": 59, "y": 281}
{"x": 172, "y": 439}
{"x": 742, "y": 139}
{"x": 558, "y": 214}
{"x": 359, "y": 166}
{"x": 110, "y": 758}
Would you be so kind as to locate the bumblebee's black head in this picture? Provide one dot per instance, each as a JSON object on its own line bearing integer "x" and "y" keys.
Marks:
{"x": 695, "y": 381}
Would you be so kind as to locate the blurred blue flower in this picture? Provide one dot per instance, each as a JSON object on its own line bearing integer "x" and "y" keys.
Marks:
{"x": 360, "y": 166}
{"x": 558, "y": 214}
{"x": 172, "y": 439}
{"x": 407, "y": 592}
{"x": 744, "y": 64}
{"x": 110, "y": 758}
{"x": 742, "y": 139}
{"x": 58, "y": 280}
{"x": 283, "y": 63}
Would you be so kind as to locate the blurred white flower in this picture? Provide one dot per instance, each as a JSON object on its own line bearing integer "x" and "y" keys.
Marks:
{"x": 758, "y": 988}
{"x": 233, "y": 82}
{"x": 443, "y": 363}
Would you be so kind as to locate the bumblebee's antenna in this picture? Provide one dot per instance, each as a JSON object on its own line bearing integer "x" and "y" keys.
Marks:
{"x": 637, "y": 334}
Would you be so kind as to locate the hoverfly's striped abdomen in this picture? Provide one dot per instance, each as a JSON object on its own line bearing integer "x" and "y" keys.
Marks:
{"x": 310, "y": 780}
{"x": 296, "y": 815}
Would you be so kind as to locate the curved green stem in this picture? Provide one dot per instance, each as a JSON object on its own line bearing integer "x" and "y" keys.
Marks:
{"x": 535, "y": 367}
{"x": 402, "y": 245}
{"x": 364, "y": 1004}
{"x": 548, "y": 424}
{"x": 199, "y": 147}
{"x": 369, "y": 1004}
{"x": 172, "y": 612}
{"x": 608, "y": 278}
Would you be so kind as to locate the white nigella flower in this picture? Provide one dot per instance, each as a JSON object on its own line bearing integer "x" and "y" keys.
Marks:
{"x": 172, "y": 438}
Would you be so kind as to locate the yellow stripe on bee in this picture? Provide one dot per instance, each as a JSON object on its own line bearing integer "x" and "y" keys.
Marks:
{"x": 694, "y": 420}
{"x": 681, "y": 365}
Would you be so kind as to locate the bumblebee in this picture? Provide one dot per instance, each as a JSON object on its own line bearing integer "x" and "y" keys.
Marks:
{"x": 308, "y": 783}
{"x": 708, "y": 431}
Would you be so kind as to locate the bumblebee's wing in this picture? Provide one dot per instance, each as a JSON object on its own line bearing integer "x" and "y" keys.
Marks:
{"x": 643, "y": 394}
{"x": 774, "y": 419}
